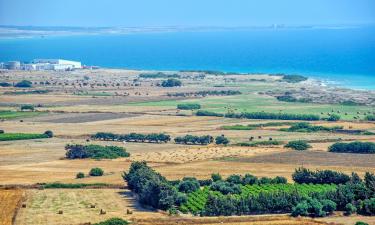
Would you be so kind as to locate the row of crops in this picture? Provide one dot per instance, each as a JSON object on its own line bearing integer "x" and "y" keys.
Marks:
{"x": 197, "y": 200}
{"x": 20, "y": 136}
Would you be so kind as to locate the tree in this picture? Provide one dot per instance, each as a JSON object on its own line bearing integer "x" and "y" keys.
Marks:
{"x": 80, "y": 175}
{"x": 221, "y": 140}
{"x": 350, "y": 209}
{"x": 333, "y": 117}
{"x": 24, "y": 84}
{"x": 301, "y": 209}
{"x": 172, "y": 82}
{"x": 299, "y": 145}
{"x": 188, "y": 184}
{"x": 27, "y": 107}
{"x": 49, "y": 133}
{"x": 96, "y": 172}
{"x": 216, "y": 177}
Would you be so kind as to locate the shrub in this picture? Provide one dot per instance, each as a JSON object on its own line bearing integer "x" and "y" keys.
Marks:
{"x": 293, "y": 78}
{"x": 333, "y": 117}
{"x": 299, "y": 145}
{"x": 305, "y": 176}
{"x": 221, "y": 140}
{"x": 328, "y": 206}
{"x": 188, "y": 106}
{"x": 171, "y": 83}
{"x": 49, "y": 133}
{"x": 360, "y": 223}
{"x": 350, "y": 209}
{"x": 368, "y": 207}
{"x": 353, "y": 147}
{"x": 133, "y": 137}
{"x": 216, "y": 177}
{"x": 80, "y": 175}
{"x": 2, "y": 132}
{"x": 194, "y": 140}
{"x": 208, "y": 113}
{"x": 24, "y": 84}
{"x": 113, "y": 221}
{"x": 306, "y": 127}
{"x": 27, "y": 107}
{"x": 370, "y": 117}
{"x": 5, "y": 84}
{"x": 96, "y": 172}
{"x": 301, "y": 209}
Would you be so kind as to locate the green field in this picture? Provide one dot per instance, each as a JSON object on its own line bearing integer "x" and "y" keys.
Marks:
{"x": 20, "y": 136}
{"x": 16, "y": 114}
{"x": 256, "y": 103}
{"x": 196, "y": 200}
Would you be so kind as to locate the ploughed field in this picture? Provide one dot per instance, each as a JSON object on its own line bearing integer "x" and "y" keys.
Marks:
{"x": 76, "y": 105}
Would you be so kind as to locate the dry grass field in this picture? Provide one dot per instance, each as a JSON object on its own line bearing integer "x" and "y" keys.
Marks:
{"x": 81, "y": 103}
{"x": 10, "y": 201}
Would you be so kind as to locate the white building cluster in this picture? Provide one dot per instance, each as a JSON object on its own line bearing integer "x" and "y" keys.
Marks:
{"x": 43, "y": 64}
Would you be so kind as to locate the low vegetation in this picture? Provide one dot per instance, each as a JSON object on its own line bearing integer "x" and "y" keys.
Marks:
{"x": 113, "y": 221}
{"x": 205, "y": 93}
{"x": 6, "y": 114}
{"x": 294, "y": 78}
{"x": 158, "y": 75}
{"x": 255, "y": 126}
{"x": 221, "y": 140}
{"x": 260, "y": 143}
{"x": 5, "y": 84}
{"x": 353, "y": 147}
{"x": 172, "y": 82}
{"x": 370, "y": 118}
{"x": 96, "y": 172}
{"x": 188, "y": 106}
{"x": 21, "y": 136}
{"x": 306, "y": 127}
{"x": 72, "y": 186}
{"x": 24, "y": 84}
{"x": 27, "y": 108}
{"x": 299, "y": 145}
{"x": 261, "y": 115}
{"x": 194, "y": 140}
{"x": 31, "y": 92}
{"x": 132, "y": 137}
{"x": 95, "y": 152}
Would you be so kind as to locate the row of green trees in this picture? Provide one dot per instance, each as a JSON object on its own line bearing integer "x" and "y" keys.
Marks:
{"x": 158, "y": 75}
{"x": 152, "y": 188}
{"x": 132, "y": 137}
{"x": 172, "y": 82}
{"x": 194, "y": 140}
{"x": 188, "y": 106}
{"x": 307, "y": 127}
{"x": 353, "y": 147}
{"x": 94, "y": 151}
{"x": 262, "y": 115}
{"x": 306, "y": 176}
{"x": 205, "y": 93}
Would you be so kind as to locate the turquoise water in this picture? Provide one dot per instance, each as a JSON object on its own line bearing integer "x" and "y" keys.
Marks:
{"x": 344, "y": 57}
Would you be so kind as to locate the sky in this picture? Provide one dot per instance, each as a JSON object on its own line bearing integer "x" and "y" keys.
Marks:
{"x": 127, "y": 13}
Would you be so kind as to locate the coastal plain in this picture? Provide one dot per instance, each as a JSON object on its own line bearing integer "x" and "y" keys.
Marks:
{"x": 77, "y": 104}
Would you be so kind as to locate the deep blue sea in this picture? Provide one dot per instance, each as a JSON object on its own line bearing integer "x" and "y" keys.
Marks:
{"x": 343, "y": 57}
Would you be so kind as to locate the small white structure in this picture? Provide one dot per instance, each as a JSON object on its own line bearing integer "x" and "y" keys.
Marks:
{"x": 57, "y": 64}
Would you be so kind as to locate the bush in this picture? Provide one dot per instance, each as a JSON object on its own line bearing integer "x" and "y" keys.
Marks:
{"x": 361, "y": 223}
{"x": 5, "y": 84}
{"x": 27, "y": 107}
{"x": 80, "y": 175}
{"x": 96, "y": 172}
{"x": 333, "y": 117}
{"x": 49, "y": 133}
{"x": 133, "y": 137}
{"x": 171, "y": 83}
{"x": 328, "y": 206}
{"x": 216, "y": 177}
{"x": 221, "y": 140}
{"x": 368, "y": 207}
{"x": 353, "y": 147}
{"x": 306, "y": 127}
{"x": 350, "y": 209}
{"x": 301, "y": 209}
{"x": 293, "y": 78}
{"x": 370, "y": 117}
{"x": 113, "y": 221}
{"x": 24, "y": 84}
{"x": 208, "y": 113}
{"x": 188, "y": 106}
{"x": 299, "y": 145}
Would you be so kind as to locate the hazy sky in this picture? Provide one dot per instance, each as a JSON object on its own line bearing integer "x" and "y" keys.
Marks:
{"x": 184, "y": 12}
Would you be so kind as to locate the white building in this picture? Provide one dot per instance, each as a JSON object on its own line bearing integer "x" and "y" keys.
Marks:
{"x": 56, "y": 64}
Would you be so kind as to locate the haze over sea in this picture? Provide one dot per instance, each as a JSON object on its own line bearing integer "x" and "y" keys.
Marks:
{"x": 338, "y": 56}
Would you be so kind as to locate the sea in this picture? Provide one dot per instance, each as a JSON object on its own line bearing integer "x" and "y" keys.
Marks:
{"x": 338, "y": 56}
